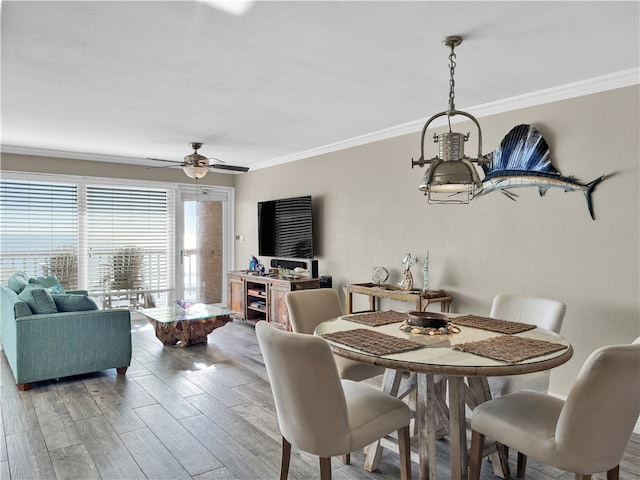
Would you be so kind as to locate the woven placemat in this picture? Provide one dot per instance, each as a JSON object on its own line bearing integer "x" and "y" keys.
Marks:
{"x": 510, "y": 349}
{"x": 492, "y": 324}
{"x": 375, "y": 319}
{"x": 372, "y": 342}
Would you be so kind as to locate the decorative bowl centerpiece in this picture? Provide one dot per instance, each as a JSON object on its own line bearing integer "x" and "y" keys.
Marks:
{"x": 428, "y": 323}
{"x": 428, "y": 319}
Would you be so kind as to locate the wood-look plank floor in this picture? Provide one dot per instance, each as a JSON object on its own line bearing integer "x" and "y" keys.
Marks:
{"x": 203, "y": 412}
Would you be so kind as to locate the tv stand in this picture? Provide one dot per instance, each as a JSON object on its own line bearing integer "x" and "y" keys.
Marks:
{"x": 254, "y": 297}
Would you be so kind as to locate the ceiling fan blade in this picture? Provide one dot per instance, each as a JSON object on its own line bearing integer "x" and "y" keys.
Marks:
{"x": 161, "y": 160}
{"x": 173, "y": 164}
{"x": 216, "y": 159}
{"x": 233, "y": 168}
{"x": 166, "y": 166}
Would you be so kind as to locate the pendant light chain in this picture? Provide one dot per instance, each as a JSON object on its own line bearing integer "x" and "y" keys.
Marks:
{"x": 452, "y": 83}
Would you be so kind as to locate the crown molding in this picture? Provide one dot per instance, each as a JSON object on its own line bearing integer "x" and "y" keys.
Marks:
{"x": 625, "y": 78}
{"x": 44, "y": 152}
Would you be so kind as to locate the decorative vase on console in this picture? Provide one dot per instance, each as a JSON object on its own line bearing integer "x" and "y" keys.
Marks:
{"x": 185, "y": 304}
{"x": 425, "y": 272}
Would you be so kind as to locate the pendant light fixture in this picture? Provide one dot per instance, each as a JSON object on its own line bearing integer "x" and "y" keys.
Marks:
{"x": 450, "y": 172}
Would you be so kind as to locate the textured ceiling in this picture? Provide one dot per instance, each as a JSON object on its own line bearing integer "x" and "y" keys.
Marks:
{"x": 130, "y": 79}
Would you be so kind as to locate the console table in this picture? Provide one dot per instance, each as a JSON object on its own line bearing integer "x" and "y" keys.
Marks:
{"x": 419, "y": 298}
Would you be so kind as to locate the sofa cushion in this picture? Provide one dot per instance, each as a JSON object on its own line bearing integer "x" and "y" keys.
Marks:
{"x": 21, "y": 309}
{"x": 73, "y": 303}
{"x": 18, "y": 281}
{"x": 51, "y": 283}
{"x": 39, "y": 300}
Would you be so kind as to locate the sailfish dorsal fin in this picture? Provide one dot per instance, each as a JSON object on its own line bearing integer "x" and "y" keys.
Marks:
{"x": 522, "y": 149}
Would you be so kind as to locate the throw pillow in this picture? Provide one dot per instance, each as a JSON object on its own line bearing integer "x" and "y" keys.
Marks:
{"x": 38, "y": 299}
{"x": 56, "y": 289}
{"x": 18, "y": 281}
{"x": 21, "y": 309}
{"x": 51, "y": 283}
{"x": 73, "y": 303}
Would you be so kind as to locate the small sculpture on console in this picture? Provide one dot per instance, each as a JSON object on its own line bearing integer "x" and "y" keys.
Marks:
{"x": 407, "y": 277}
{"x": 379, "y": 275}
{"x": 255, "y": 265}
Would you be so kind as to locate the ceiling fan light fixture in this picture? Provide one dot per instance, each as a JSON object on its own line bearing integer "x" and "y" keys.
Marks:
{"x": 197, "y": 166}
{"x": 195, "y": 172}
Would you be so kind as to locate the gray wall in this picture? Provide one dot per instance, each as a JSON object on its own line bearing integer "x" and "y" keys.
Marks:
{"x": 369, "y": 212}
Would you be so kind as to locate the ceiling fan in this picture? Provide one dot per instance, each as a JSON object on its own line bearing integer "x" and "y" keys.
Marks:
{"x": 197, "y": 166}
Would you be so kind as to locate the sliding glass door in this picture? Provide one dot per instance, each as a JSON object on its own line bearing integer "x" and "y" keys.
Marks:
{"x": 205, "y": 254}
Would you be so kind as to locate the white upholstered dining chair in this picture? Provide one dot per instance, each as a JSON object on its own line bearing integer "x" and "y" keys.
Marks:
{"x": 542, "y": 312}
{"x": 585, "y": 434}
{"x": 308, "y": 308}
{"x": 317, "y": 411}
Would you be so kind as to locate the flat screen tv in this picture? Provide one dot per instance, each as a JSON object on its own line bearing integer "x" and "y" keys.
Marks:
{"x": 285, "y": 228}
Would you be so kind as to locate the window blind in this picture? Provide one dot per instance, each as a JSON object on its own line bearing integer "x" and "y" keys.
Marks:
{"x": 39, "y": 230}
{"x": 129, "y": 239}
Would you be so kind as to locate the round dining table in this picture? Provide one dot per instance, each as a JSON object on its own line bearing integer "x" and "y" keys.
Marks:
{"x": 443, "y": 357}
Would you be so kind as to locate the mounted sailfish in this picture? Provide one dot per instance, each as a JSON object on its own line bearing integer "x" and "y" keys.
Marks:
{"x": 523, "y": 160}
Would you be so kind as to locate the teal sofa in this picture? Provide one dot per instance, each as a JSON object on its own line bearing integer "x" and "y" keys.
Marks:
{"x": 47, "y": 333}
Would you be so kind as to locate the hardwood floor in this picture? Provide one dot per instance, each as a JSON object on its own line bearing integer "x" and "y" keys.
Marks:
{"x": 203, "y": 412}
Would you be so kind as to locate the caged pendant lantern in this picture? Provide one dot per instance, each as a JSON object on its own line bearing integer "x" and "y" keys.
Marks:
{"x": 450, "y": 172}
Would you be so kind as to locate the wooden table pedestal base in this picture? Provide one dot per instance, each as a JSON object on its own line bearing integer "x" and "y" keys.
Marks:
{"x": 187, "y": 332}
{"x": 437, "y": 416}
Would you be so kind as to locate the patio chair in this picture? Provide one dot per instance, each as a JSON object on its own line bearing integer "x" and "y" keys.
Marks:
{"x": 63, "y": 264}
{"x": 124, "y": 278}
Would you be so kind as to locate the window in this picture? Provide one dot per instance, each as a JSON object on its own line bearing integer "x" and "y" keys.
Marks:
{"x": 115, "y": 241}
{"x": 39, "y": 230}
{"x": 128, "y": 245}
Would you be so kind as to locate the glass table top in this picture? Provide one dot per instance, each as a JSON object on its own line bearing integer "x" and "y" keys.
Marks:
{"x": 174, "y": 313}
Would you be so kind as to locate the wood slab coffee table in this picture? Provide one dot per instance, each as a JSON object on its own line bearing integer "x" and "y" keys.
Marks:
{"x": 175, "y": 326}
